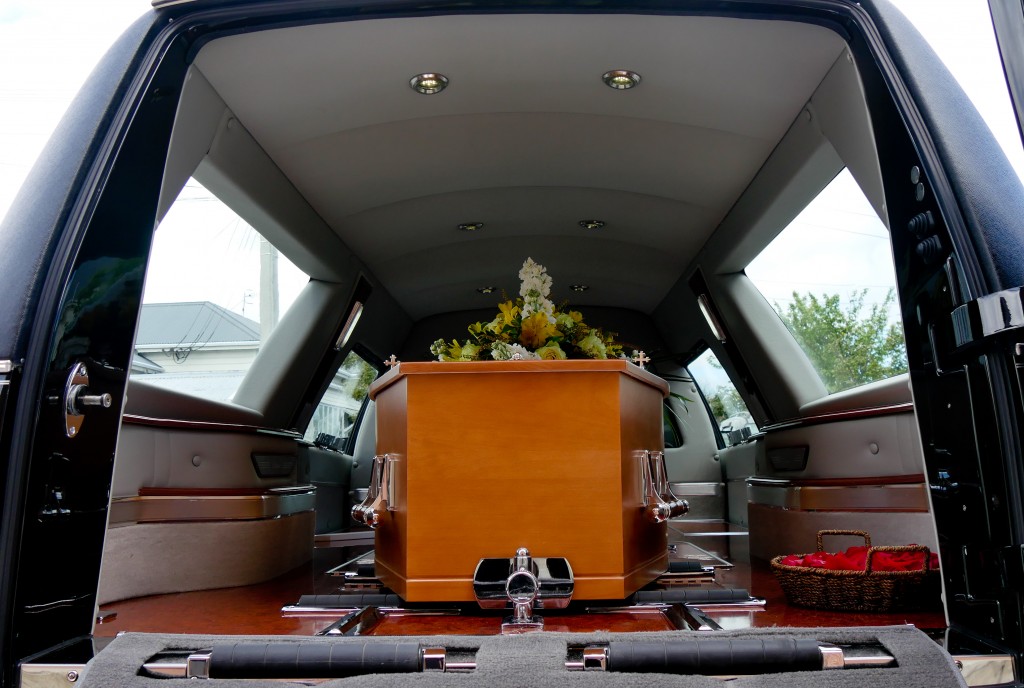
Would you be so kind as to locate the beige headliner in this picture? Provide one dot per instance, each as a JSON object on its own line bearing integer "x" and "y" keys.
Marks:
{"x": 526, "y": 139}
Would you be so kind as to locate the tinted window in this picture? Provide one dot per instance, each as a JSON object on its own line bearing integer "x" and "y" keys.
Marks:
{"x": 338, "y": 410}
{"x": 829, "y": 275}
{"x": 215, "y": 289}
{"x": 728, "y": 409}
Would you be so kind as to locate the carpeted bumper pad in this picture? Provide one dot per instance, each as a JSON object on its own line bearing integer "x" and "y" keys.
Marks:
{"x": 536, "y": 660}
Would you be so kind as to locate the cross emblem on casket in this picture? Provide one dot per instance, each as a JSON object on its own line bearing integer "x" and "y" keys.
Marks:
{"x": 392, "y": 362}
{"x": 641, "y": 359}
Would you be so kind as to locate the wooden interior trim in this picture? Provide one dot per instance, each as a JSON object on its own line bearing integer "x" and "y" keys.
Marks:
{"x": 223, "y": 491}
{"x": 204, "y": 426}
{"x": 158, "y": 504}
{"x": 843, "y": 494}
{"x": 911, "y": 479}
{"x": 839, "y": 416}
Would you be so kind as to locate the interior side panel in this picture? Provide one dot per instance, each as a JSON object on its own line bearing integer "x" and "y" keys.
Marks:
{"x": 162, "y": 557}
{"x": 180, "y": 458}
{"x": 887, "y": 445}
{"x": 739, "y": 463}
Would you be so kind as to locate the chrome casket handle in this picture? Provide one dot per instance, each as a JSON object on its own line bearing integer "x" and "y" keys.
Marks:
{"x": 380, "y": 496}
{"x": 659, "y": 502}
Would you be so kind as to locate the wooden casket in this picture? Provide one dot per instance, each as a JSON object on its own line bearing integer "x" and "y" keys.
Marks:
{"x": 488, "y": 457}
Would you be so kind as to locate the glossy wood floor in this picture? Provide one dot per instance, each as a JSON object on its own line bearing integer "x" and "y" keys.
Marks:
{"x": 256, "y": 609}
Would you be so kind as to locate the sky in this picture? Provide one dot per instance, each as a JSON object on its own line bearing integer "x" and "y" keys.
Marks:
{"x": 48, "y": 48}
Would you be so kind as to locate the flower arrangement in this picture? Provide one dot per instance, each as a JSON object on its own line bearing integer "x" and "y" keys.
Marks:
{"x": 531, "y": 327}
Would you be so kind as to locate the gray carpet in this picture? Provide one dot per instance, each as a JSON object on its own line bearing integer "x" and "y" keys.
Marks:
{"x": 536, "y": 660}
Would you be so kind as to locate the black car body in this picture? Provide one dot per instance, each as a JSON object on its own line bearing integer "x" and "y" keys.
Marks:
{"x": 751, "y": 107}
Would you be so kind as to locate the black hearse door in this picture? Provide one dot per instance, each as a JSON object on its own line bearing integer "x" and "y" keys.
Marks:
{"x": 973, "y": 447}
{"x": 75, "y": 244}
{"x": 955, "y": 207}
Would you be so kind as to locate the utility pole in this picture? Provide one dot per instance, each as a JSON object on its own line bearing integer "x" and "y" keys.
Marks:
{"x": 268, "y": 289}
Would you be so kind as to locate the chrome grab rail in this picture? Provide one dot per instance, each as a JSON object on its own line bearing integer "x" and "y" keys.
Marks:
{"x": 658, "y": 501}
{"x": 380, "y": 496}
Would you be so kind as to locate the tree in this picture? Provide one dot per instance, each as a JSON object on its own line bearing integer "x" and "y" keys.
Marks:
{"x": 365, "y": 372}
{"x": 850, "y": 346}
{"x": 726, "y": 402}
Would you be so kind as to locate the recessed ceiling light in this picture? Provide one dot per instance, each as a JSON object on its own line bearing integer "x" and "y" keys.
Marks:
{"x": 428, "y": 83}
{"x": 487, "y": 290}
{"x": 471, "y": 226}
{"x": 621, "y": 79}
{"x": 591, "y": 224}
{"x": 578, "y": 287}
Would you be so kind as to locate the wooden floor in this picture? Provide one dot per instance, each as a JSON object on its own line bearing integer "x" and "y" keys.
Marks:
{"x": 256, "y": 609}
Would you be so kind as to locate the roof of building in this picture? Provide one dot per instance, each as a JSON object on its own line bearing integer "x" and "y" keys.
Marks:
{"x": 192, "y": 324}
{"x": 142, "y": 364}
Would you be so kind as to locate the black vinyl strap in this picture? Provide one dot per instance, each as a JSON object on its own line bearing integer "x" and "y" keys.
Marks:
{"x": 692, "y": 595}
{"x": 351, "y": 601}
{"x": 312, "y": 660}
{"x": 715, "y": 656}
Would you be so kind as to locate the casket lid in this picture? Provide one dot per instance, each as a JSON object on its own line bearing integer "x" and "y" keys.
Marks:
{"x": 616, "y": 365}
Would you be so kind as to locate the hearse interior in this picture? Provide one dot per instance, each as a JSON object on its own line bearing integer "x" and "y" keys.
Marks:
{"x": 405, "y": 160}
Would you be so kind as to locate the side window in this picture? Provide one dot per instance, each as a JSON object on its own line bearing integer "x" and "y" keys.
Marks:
{"x": 334, "y": 418}
{"x": 728, "y": 410}
{"x": 673, "y": 437}
{"x": 215, "y": 289}
{"x": 830, "y": 277}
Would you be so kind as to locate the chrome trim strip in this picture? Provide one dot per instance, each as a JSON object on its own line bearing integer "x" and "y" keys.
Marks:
{"x": 126, "y": 510}
{"x": 698, "y": 489}
{"x": 986, "y": 670}
{"x": 840, "y": 498}
{"x": 49, "y": 675}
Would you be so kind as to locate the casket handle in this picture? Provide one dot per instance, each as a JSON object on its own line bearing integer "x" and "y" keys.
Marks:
{"x": 380, "y": 494}
{"x": 658, "y": 501}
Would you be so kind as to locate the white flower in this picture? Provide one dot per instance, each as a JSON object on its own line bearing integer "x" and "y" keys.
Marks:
{"x": 535, "y": 289}
{"x": 501, "y": 351}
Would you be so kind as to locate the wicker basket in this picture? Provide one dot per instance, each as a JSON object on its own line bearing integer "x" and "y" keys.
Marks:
{"x": 861, "y": 591}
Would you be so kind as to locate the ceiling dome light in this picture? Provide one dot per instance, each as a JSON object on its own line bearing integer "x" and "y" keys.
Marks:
{"x": 578, "y": 287}
{"x": 428, "y": 83}
{"x": 591, "y": 224}
{"x": 487, "y": 290}
{"x": 471, "y": 226}
{"x": 621, "y": 79}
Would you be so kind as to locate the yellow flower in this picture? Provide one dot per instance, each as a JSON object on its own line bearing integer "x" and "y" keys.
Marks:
{"x": 536, "y": 330}
{"x": 464, "y": 352}
{"x": 551, "y": 352}
{"x": 509, "y": 311}
{"x": 576, "y": 315}
{"x": 592, "y": 346}
{"x": 470, "y": 351}
{"x": 476, "y": 329}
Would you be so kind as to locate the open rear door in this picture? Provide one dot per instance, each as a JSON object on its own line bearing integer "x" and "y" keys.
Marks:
{"x": 1008, "y": 20}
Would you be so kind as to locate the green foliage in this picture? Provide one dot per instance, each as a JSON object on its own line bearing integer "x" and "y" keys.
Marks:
{"x": 726, "y": 402}
{"x": 366, "y": 375}
{"x": 849, "y": 346}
